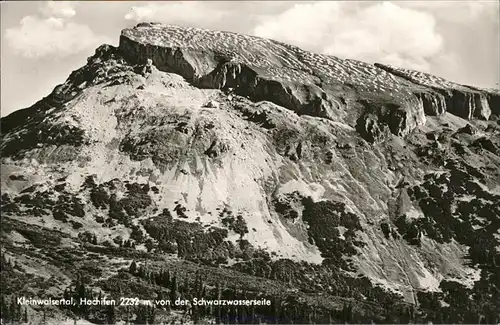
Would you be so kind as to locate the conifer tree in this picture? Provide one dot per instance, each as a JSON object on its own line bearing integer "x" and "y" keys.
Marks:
{"x": 218, "y": 311}
{"x": 141, "y": 315}
{"x": 44, "y": 317}
{"x": 81, "y": 293}
{"x": 19, "y": 311}
{"x": 4, "y": 309}
{"x": 152, "y": 315}
{"x": 149, "y": 245}
{"x": 199, "y": 286}
{"x": 13, "y": 309}
{"x": 66, "y": 294}
{"x": 3, "y": 262}
{"x": 173, "y": 289}
{"x": 133, "y": 268}
{"x": 110, "y": 314}
{"x": 159, "y": 297}
{"x": 127, "y": 315}
{"x": 166, "y": 279}
{"x": 142, "y": 272}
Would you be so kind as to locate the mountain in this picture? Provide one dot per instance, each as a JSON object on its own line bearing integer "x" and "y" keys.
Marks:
{"x": 188, "y": 163}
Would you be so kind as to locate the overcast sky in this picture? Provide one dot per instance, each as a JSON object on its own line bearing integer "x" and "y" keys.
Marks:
{"x": 42, "y": 42}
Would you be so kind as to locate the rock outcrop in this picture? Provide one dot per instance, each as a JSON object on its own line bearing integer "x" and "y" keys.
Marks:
{"x": 306, "y": 83}
{"x": 464, "y": 101}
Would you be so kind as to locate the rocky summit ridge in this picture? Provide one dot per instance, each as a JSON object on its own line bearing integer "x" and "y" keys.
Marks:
{"x": 328, "y": 185}
{"x": 305, "y": 82}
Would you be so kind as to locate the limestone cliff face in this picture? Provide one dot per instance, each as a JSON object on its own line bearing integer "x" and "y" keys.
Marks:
{"x": 295, "y": 171}
{"x": 466, "y": 102}
{"x": 304, "y": 82}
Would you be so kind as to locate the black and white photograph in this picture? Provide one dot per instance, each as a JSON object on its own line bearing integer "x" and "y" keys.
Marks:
{"x": 250, "y": 162}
